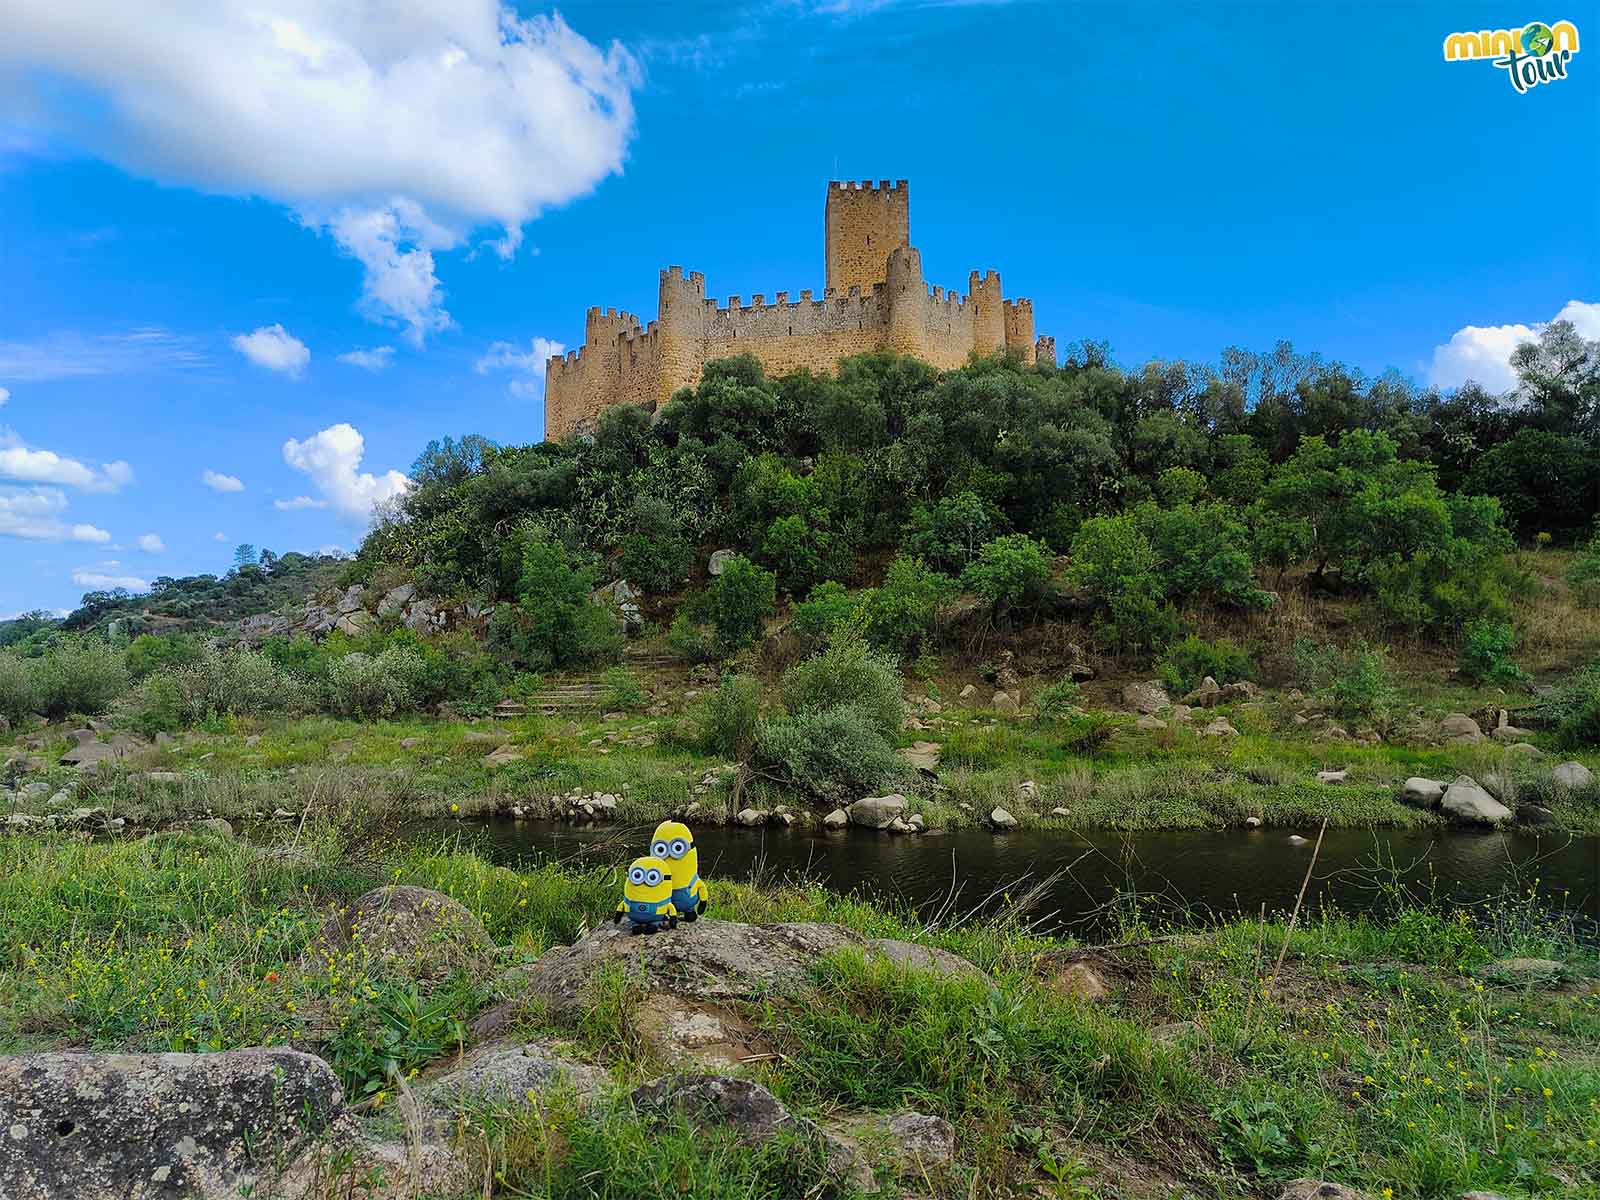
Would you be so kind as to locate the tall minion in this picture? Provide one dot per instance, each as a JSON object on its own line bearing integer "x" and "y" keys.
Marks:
{"x": 674, "y": 843}
{"x": 647, "y": 897}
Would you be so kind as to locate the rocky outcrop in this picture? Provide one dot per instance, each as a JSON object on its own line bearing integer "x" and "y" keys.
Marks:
{"x": 77, "y": 1126}
{"x": 407, "y": 931}
{"x": 1465, "y": 801}
{"x": 500, "y": 1070}
{"x": 1148, "y": 698}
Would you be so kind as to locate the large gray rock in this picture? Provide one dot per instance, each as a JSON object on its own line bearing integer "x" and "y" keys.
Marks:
{"x": 719, "y": 560}
{"x": 1422, "y": 793}
{"x": 1147, "y": 698}
{"x": 407, "y": 931}
{"x": 1001, "y": 819}
{"x": 837, "y": 819}
{"x": 708, "y": 960}
{"x": 510, "y": 1071}
{"x": 1459, "y": 727}
{"x": 1207, "y": 695}
{"x": 1468, "y": 803}
{"x": 720, "y": 1100}
{"x": 877, "y": 812}
{"x": 396, "y": 599}
{"x": 1573, "y": 776}
{"x": 77, "y": 1126}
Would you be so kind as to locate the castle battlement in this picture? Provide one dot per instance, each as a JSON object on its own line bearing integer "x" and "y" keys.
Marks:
{"x": 874, "y": 298}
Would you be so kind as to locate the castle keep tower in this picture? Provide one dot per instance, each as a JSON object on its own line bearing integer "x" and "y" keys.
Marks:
{"x": 862, "y": 225}
{"x": 876, "y": 299}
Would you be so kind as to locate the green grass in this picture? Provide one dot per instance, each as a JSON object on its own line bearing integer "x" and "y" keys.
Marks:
{"x": 1374, "y": 1057}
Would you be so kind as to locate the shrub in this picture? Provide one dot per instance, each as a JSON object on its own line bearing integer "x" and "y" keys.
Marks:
{"x": 1583, "y": 575}
{"x": 1186, "y": 663}
{"x": 848, "y": 674}
{"x": 1087, "y": 733}
{"x": 1355, "y": 681}
{"x": 18, "y": 699}
{"x": 1486, "y": 649}
{"x": 156, "y": 705}
{"x": 78, "y": 675}
{"x": 1057, "y": 700}
{"x": 363, "y": 685}
{"x": 730, "y": 717}
{"x": 689, "y": 638}
{"x": 1115, "y": 565}
{"x": 797, "y": 551}
{"x": 738, "y": 600}
{"x": 1009, "y": 571}
{"x": 237, "y": 683}
{"x": 560, "y": 624}
{"x": 150, "y": 653}
{"x": 1576, "y": 709}
{"x": 622, "y": 690}
{"x": 904, "y": 612}
{"x": 835, "y": 756}
{"x": 656, "y": 555}
{"x": 951, "y": 533}
{"x": 828, "y": 606}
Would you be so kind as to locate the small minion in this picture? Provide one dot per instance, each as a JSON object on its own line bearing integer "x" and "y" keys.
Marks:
{"x": 674, "y": 843}
{"x": 647, "y": 897}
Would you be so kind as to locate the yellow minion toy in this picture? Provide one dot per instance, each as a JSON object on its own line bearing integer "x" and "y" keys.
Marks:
{"x": 674, "y": 843}
{"x": 647, "y": 897}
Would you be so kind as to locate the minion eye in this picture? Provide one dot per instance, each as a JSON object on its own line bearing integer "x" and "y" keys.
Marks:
{"x": 652, "y": 877}
{"x": 637, "y": 875}
{"x": 679, "y": 848}
{"x": 659, "y": 849}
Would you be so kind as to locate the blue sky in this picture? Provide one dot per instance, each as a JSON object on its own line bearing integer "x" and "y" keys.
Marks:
{"x": 206, "y": 212}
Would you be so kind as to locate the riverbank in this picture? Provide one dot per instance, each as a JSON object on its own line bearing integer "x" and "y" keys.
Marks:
{"x": 1410, "y": 1055}
{"x": 960, "y": 765}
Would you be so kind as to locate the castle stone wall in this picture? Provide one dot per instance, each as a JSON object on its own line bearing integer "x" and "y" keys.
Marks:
{"x": 885, "y": 305}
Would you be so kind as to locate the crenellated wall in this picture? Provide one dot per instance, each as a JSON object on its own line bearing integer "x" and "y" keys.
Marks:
{"x": 886, "y": 306}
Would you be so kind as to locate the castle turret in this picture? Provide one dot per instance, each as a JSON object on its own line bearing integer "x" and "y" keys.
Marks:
{"x": 908, "y": 299}
{"x": 862, "y": 224}
{"x": 680, "y": 341}
{"x": 1019, "y": 330}
{"x": 988, "y": 312}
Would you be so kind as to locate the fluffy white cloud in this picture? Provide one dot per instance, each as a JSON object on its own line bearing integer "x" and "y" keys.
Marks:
{"x": 35, "y": 514}
{"x": 1483, "y": 352}
{"x": 528, "y": 366}
{"x": 275, "y": 348}
{"x": 100, "y": 578}
{"x": 219, "y": 536}
{"x": 5, "y": 394}
{"x": 151, "y": 543}
{"x": 375, "y": 358}
{"x": 332, "y": 458}
{"x": 218, "y": 482}
{"x": 297, "y": 503}
{"x": 398, "y": 128}
{"x": 22, "y": 463}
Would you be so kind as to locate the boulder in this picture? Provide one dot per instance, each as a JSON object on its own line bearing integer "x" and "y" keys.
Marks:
{"x": 709, "y": 960}
{"x": 1252, "y": 822}
{"x": 501, "y": 755}
{"x": 510, "y": 1071}
{"x": 922, "y": 755}
{"x": 1149, "y": 724}
{"x": 1510, "y": 733}
{"x": 411, "y": 931}
{"x": 1459, "y": 727}
{"x": 714, "y": 1099}
{"x": 968, "y": 692}
{"x": 719, "y": 559}
{"x": 697, "y": 1034}
{"x": 351, "y": 600}
{"x": 1005, "y": 702}
{"x": 750, "y": 818}
{"x": 910, "y": 1144}
{"x": 917, "y": 957}
{"x": 1535, "y": 814}
{"x": 876, "y": 812}
{"x": 1332, "y": 776}
{"x": 1319, "y": 1189}
{"x": 1001, "y": 819}
{"x": 1147, "y": 698}
{"x": 1523, "y": 972}
{"x": 83, "y": 1126}
{"x": 396, "y": 599}
{"x": 1079, "y": 980}
{"x": 837, "y": 819}
{"x": 1220, "y": 728}
{"x": 1573, "y": 776}
{"x": 1468, "y": 803}
{"x": 215, "y": 826}
{"x": 1422, "y": 793}
{"x": 1207, "y": 695}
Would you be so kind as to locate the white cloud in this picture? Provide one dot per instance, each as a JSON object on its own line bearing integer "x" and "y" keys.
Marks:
{"x": 70, "y": 355}
{"x": 332, "y": 458}
{"x": 99, "y": 579}
{"x": 218, "y": 482}
{"x": 219, "y": 536}
{"x": 5, "y": 394}
{"x": 151, "y": 543}
{"x": 24, "y": 464}
{"x": 1483, "y": 352}
{"x": 375, "y": 358}
{"x": 297, "y": 503}
{"x": 529, "y": 366}
{"x": 400, "y": 129}
{"x": 275, "y": 348}
{"x": 34, "y": 514}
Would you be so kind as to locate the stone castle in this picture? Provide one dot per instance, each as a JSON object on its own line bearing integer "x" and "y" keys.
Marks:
{"x": 875, "y": 299}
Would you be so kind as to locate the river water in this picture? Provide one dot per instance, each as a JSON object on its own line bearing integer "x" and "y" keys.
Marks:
{"x": 1203, "y": 872}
